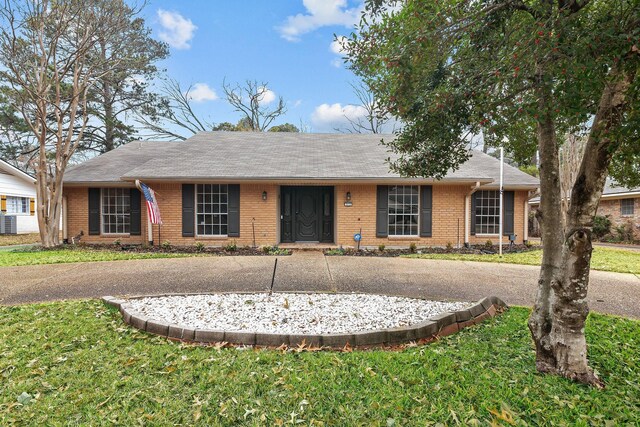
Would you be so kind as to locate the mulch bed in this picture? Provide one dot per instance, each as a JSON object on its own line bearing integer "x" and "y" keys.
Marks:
{"x": 472, "y": 250}
{"x": 193, "y": 249}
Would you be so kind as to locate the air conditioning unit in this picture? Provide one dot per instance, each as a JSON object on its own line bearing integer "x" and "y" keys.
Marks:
{"x": 8, "y": 224}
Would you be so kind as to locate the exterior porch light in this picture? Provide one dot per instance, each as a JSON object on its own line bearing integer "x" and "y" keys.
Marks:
{"x": 348, "y": 196}
{"x": 264, "y": 195}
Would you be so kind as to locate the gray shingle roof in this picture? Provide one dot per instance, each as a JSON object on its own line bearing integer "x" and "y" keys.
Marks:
{"x": 237, "y": 156}
{"x": 611, "y": 189}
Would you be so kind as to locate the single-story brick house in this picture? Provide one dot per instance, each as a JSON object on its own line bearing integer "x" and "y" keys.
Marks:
{"x": 620, "y": 204}
{"x": 272, "y": 188}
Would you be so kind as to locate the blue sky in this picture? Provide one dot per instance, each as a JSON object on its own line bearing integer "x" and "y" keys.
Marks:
{"x": 286, "y": 43}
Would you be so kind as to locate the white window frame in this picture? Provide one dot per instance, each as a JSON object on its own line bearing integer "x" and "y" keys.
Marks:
{"x": 492, "y": 212}
{"x": 22, "y": 202}
{"x": 221, "y": 206}
{"x": 632, "y": 207}
{"x": 397, "y": 215}
{"x": 121, "y": 194}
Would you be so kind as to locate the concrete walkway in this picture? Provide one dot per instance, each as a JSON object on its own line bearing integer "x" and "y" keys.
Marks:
{"x": 614, "y": 293}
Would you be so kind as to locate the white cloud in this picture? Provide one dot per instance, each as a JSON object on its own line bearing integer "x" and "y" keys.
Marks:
{"x": 297, "y": 103}
{"x": 320, "y": 13}
{"x": 177, "y": 30}
{"x": 327, "y": 118}
{"x": 267, "y": 96}
{"x": 201, "y": 92}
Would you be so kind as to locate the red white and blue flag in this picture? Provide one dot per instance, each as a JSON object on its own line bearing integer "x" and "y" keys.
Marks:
{"x": 152, "y": 204}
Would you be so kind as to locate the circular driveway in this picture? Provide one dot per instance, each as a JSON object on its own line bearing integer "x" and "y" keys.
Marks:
{"x": 613, "y": 293}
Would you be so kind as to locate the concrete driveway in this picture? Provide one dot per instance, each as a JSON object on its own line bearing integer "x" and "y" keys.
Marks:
{"x": 613, "y": 293}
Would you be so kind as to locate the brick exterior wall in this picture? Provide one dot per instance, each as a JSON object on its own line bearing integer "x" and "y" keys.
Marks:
{"x": 611, "y": 208}
{"x": 447, "y": 217}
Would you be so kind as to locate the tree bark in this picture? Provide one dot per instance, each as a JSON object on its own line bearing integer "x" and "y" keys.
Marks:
{"x": 558, "y": 320}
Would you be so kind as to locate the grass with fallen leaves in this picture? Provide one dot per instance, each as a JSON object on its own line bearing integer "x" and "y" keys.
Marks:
{"x": 77, "y": 363}
{"x": 19, "y": 239}
{"x": 604, "y": 259}
{"x": 77, "y": 254}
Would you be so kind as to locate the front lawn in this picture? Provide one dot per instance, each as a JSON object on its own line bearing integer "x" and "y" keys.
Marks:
{"x": 77, "y": 363}
{"x": 65, "y": 255}
{"x": 605, "y": 259}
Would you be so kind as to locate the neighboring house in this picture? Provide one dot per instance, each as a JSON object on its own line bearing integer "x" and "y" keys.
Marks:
{"x": 273, "y": 188}
{"x": 620, "y": 204}
{"x": 18, "y": 198}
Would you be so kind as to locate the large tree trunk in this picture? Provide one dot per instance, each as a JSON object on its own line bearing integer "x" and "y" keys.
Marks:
{"x": 558, "y": 320}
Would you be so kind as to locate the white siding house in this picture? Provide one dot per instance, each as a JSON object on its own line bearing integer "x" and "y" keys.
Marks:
{"x": 18, "y": 197}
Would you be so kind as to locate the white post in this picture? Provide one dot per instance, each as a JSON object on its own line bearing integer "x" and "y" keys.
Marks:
{"x": 65, "y": 229}
{"x": 501, "y": 191}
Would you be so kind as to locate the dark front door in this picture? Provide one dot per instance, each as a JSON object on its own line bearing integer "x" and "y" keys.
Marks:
{"x": 306, "y": 214}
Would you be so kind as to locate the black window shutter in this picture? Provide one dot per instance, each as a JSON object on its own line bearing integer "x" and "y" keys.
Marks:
{"x": 135, "y": 228}
{"x": 473, "y": 213}
{"x": 188, "y": 210}
{"x": 426, "y": 208}
{"x": 382, "y": 211}
{"x": 94, "y": 211}
{"x": 233, "y": 210}
{"x": 508, "y": 198}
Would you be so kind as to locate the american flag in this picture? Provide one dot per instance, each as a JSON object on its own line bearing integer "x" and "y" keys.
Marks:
{"x": 152, "y": 204}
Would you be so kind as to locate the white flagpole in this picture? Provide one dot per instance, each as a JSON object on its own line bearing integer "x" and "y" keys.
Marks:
{"x": 501, "y": 191}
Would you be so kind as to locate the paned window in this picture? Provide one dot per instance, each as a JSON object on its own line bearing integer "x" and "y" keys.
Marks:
{"x": 116, "y": 211}
{"x": 211, "y": 209}
{"x": 403, "y": 210}
{"x": 487, "y": 212}
{"x": 17, "y": 205}
{"x": 626, "y": 207}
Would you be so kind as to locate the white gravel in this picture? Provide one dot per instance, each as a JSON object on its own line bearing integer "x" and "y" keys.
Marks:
{"x": 290, "y": 313}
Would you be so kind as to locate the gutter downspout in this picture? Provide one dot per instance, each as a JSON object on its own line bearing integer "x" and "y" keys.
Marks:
{"x": 65, "y": 230}
{"x": 467, "y": 213}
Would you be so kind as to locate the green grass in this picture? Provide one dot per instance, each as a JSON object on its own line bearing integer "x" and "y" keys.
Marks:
{"x": 58, "y": 256}
{"x": 605, "y": 259}
{"x": 78, "y": 364}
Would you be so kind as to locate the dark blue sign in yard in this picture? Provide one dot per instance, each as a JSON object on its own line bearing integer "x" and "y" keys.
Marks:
{"x": 357, "y": 237}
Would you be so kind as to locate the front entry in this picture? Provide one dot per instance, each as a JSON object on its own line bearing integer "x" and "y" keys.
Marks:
{"x": 306, "y": 214}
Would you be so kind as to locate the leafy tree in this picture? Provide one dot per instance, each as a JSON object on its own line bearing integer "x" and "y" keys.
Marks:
{"x": 252, "y": 101}
{"x": 49, "y": 66}
{"x": 523, "y": 72}
{"x": 286, "y": 127}
{"x": 122, "y": 89}
{"x": 226, "y": 127}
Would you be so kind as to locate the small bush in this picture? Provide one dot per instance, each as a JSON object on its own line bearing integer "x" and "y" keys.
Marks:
{"x": 601, "y": 226}
{"x": 488, "y": 244}
{"x": 528, "y": 244}
{"x": 413, "y": 248}
{"x": 266, "y": 249}
{"x": 231, "y": 247}
{"x": 166, "y": 245}
{"x": 381, "y": 248}
{"x": 199, "y": 246}
{"x": 449, "y": 246}
{"x": 117, "y": 242}
{"x": 625, "y": 232}
{"x": 337, "y": 251}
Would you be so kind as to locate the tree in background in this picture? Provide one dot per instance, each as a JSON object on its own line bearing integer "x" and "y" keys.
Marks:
{"x": 517, "y": 69}
{"x": 375, "y": 117}
{"x": 49, "y": 67}
{"x": 122, "y": 89}
{"x": 570, "y": 157}
{"x": 174, "y": 117}
{"x": 286, "y": 127}
{"x": 252, "y": 101}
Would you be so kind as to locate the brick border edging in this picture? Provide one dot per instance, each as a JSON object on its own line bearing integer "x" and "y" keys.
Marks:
{"x": 437, "y": 326}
